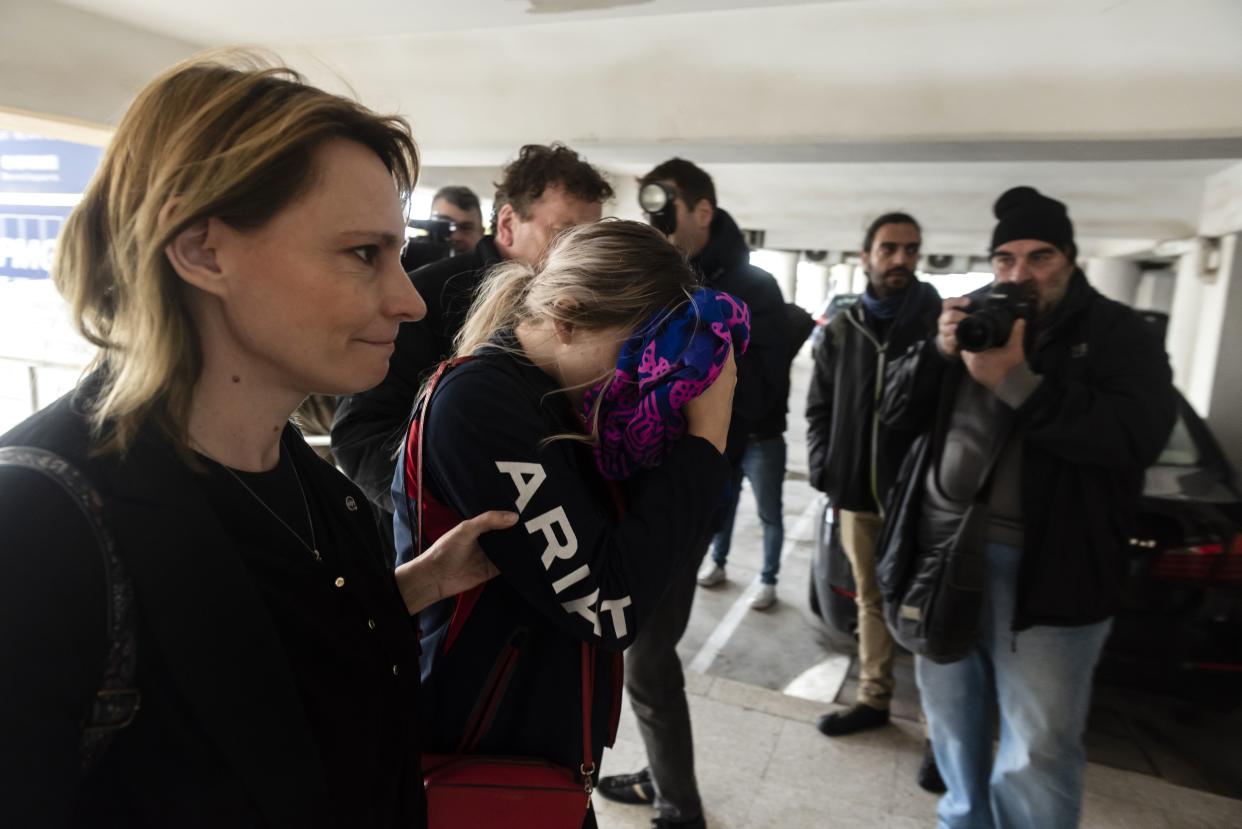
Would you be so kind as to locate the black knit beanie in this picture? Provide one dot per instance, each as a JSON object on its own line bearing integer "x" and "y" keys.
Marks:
{"x": 1025, "y": 213}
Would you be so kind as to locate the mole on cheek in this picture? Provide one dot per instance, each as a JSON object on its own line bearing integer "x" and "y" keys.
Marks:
{"x": 236, "y": 378}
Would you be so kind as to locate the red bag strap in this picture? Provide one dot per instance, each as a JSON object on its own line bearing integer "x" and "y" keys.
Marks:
{"x": 588, "y": 689}
{"x": 587, "y": 769}
{"x": 417, "y": 529}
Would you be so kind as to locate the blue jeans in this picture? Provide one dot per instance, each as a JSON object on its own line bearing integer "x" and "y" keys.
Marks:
{"x": 764, "y": 466}
{"x": 1039, "y": 680}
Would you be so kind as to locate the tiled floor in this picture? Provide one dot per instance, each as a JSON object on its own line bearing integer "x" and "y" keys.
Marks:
{"x": 762, "y": 763}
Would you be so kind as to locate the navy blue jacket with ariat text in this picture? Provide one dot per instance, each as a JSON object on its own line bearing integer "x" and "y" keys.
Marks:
{"x": 501, "y": 666}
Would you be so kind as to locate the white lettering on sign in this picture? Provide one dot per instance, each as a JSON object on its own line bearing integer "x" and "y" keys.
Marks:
{"x": 26, "y": 254}
{"x": 562, "y": 545}
{"x": 30, "y": 163}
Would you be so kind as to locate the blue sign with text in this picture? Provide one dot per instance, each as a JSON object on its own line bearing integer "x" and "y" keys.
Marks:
{"x": 41, "y": 179}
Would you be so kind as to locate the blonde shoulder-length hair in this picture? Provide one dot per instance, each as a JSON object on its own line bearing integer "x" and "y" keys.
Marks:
{"x": 230, "y": 135}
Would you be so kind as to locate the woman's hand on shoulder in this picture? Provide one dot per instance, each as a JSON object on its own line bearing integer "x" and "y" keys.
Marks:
{"x": 454, "y": 564}
{"x": 708, "y": 415}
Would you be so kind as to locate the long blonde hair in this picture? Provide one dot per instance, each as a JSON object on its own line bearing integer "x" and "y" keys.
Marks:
{"x": 610, "y": 273}
{"x": 228, "y": 135}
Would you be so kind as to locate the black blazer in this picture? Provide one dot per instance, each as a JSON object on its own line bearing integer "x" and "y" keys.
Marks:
{"x": 222, "y": 730}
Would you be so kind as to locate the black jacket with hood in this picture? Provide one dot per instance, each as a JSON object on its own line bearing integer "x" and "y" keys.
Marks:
{"x": 501, "y": 665}
{"x": 850, "y": 456}
{"x": 1100, "y": 416}
{"x": 763, "y": 371}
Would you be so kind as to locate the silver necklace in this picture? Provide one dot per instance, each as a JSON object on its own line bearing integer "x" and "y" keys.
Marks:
{"x": 313, "y": 547}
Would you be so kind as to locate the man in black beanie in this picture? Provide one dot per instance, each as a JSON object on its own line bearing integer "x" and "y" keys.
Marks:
{"x": 1049, "y": 424}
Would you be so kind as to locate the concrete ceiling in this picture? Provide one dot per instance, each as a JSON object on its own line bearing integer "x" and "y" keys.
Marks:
{"x": 295, "y": 21}
{"x": 812, "y": 116}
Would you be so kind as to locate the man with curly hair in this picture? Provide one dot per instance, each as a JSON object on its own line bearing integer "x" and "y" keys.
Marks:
{"x": 543, "y": 191}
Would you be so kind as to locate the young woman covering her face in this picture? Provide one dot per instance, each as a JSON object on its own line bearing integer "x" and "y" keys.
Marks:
{"x": 502, "y": 668}
{"x": 237, "y": 250}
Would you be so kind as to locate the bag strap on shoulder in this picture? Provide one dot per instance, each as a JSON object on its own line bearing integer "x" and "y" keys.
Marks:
{"x": 587, "y": 768}
{"x": 118, "y": 699}
{"x": 414, "y": 515}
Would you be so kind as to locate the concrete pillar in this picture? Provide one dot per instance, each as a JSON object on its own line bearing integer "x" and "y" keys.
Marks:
{"x": 858, "y": 279}
{"x": 1115, "y": 278}
{"x": 841, "y": 276}
{"x": 814, "y": 285}
{"x": 1224, "y": 382}
{"x": 1155, "y": 291}
{"x": 785, "y": 268}
{"x": 1183, "y": 333}
{"x": 1215, "y": 382}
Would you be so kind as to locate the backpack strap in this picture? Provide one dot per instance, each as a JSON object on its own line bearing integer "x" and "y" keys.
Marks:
{"x": 118, "y": 699}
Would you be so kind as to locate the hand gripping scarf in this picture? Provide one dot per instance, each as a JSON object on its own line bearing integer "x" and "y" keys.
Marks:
{"x": 672, "y": 360}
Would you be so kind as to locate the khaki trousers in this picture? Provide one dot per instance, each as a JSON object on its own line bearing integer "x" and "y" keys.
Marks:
{"x": 859, "y": 533}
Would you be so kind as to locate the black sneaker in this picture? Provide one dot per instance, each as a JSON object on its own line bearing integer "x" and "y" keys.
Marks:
{"x": 859, "y": 718}
{"x": 628, "y": 788}
{"x": 929, "y": 774}
{"x": 692, "y": 823}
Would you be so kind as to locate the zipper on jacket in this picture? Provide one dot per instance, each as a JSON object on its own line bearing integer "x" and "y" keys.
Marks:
{"x": 880, "y": 350}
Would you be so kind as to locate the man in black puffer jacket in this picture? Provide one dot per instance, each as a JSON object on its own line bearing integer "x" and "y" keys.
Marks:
{"x": 653, "y": 675}
{"x": 1051, "y": 426}
{"x": 849, "y": 456}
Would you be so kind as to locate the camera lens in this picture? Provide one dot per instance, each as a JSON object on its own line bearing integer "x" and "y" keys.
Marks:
{"x": 976, "y": 332}
{"x": 653, "y": 197}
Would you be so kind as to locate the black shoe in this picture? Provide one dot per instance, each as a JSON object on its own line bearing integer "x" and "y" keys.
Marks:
{"x": 628, "y": 788}
{"x": 859, "y": 718}
{"x": 665, "y": 823}
{"x": 929, "y": 775}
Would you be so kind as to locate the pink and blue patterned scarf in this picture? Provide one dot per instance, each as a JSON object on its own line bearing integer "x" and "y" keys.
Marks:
{"x": 671, "y": 361}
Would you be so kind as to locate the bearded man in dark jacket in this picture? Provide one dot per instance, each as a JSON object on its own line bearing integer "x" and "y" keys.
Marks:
{"x": 850, "y": 457}
{"x": 653, "y": 674}
{"x": 1051, "y": 426}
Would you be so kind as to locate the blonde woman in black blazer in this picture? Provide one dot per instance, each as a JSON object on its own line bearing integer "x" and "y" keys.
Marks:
{"x": 238, "y": 249}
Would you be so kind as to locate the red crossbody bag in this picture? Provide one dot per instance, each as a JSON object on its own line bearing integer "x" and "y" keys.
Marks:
{"x": 466, "y": 789}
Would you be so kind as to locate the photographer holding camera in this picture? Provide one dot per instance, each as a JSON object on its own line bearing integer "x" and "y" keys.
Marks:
{"x": 1045, "y": 402}
{"x": 459, "y": 206}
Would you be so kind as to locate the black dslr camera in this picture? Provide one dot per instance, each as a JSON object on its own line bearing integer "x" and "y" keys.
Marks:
{"x": 657, "y": 202}
{"x": 428, "y": 243}
{"x": 991, "y": 320}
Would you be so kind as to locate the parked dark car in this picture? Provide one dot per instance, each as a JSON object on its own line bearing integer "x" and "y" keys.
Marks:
{"x": 1180, "y": 623}
{"x": 832, "y": 306}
